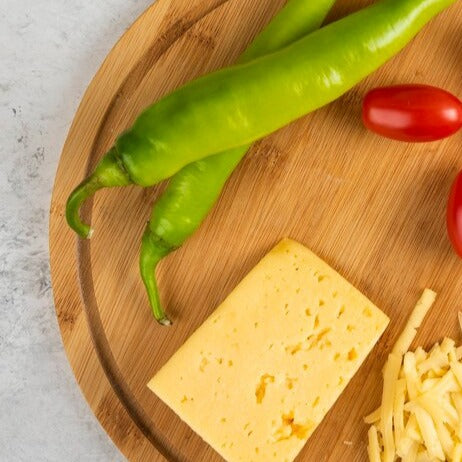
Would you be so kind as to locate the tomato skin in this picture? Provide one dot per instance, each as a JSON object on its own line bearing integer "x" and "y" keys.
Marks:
{"x": 412, "y": 113}
{"x": 454, "y": 215}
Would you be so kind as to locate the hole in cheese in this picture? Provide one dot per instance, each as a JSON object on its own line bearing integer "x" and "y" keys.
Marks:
{"x": 289, "y": 428}
{"x": 352, "y": 354}
{"x": 292, "y": 349}
{"x": 314, "y": 340}
{"x": 290, "y": 383}
{"x": 203, "y": 364}
{"x": 367, "y": 312}
{"x": 316, "y": 321}
{"x": 260, "y": 391}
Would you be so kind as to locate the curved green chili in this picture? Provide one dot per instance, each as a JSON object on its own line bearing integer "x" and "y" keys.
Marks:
{"x": 192, "y": 192}
{"x": 240, "y": 104}
{"x": 107, "y": 173}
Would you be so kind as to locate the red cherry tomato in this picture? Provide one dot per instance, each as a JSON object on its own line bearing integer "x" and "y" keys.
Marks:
{"x": 454, "y": 216}
{"x": 412, "y": 113}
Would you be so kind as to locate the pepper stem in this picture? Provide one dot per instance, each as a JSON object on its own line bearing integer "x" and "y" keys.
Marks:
{"x": 153, "y": 249}
{"x": 85, "y": 189}
{"x": 109, "y": 172}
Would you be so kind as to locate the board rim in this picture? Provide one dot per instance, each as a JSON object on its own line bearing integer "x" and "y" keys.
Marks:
{"x": 65, "y": 249}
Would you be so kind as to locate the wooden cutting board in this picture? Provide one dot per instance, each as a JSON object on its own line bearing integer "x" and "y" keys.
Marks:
{"x": 374, "y": 209}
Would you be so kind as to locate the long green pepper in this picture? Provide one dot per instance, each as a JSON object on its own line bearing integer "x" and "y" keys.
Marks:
{"x": 193, "y": 191}
{"x": 240, "y": 104}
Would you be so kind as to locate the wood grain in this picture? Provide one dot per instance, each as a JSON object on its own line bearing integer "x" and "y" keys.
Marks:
{"x": 372, "y": 208}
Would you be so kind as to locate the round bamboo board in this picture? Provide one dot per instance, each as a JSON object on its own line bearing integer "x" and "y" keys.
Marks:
{"x": 374, "y": 209}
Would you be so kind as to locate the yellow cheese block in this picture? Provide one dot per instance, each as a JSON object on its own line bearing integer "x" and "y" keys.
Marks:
{"x": 259, "y": 375}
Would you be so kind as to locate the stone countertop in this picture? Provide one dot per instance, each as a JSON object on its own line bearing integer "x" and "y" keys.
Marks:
{"x": 50, "y": 50}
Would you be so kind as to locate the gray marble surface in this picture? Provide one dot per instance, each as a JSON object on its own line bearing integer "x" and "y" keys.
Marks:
{"x": 49, "y": 51}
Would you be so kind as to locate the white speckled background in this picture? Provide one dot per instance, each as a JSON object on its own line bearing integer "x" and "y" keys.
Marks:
{"x": 49, "y": 51}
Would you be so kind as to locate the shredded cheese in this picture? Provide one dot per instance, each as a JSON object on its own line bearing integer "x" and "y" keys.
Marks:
{"x": 459, "y": 353}
{"x": 373, "y": 417}
{"x": 373, "y": 448}
{"x": 415, "y": 320}
{"x": 410, "y": 374}
{"x": 420, "y": 418}
{"x": 390, "y": 376}
{"x": 398, "y": 409}
{"x": 428, "y": 430}
{"x": 457, "y": 453}
{"x": 411, "y": 454}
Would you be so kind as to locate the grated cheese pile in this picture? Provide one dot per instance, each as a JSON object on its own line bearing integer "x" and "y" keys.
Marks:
{"x": 420, "y": 418}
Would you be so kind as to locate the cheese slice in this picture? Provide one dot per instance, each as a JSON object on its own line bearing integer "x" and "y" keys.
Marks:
{"x": 259, "y": 375}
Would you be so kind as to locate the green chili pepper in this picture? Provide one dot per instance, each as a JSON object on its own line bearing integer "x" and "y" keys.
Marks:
{"x": 240, "y": 104}
{"x": 193, "y": 191}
